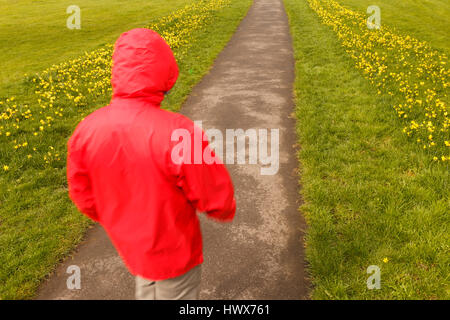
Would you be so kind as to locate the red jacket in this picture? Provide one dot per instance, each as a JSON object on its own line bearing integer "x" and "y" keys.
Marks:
{"x": 121, "y": 173}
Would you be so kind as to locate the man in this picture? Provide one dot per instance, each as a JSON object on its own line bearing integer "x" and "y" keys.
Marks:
{"x": 123, "y": 173}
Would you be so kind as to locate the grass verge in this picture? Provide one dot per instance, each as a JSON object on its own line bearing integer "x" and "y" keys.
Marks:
{"x": 36, "y": 35}
{"x": 371, "y": 197}
{"x": 425, "y": 20}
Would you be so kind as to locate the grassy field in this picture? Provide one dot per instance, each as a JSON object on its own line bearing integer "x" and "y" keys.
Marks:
{"x": 372, "y": 196}
{"x": 36, "y": 40}
{"x": 425, "y": 20}
{"x": 38, "y": 224}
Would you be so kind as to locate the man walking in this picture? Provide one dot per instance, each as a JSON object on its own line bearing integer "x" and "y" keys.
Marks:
{"x": 123, "y": 173}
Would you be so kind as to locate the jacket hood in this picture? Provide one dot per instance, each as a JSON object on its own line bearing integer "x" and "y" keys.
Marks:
{"x": 143, "y": 66}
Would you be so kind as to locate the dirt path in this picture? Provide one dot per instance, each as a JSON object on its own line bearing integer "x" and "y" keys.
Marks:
{"x": 259, "y": 255}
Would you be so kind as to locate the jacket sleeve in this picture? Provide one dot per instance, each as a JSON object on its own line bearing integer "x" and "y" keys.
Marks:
{"x": 207, "y": 186}
{"x": 80, "y": 189}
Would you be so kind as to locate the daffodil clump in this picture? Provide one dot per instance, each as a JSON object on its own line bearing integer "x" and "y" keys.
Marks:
{"x": 178, "y": 28}
{"x": 409, "y": 70}
{"x": 72, "y": 86}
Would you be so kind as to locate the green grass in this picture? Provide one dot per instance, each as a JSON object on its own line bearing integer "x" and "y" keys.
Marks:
{"x": 36, "y": 34}
{"x": 425, "y": 20}
{"x": 39, "y": 225}
{"x": 368, "y": 192}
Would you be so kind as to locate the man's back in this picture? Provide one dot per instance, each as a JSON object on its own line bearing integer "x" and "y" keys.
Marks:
{"x": 121, "y": 172}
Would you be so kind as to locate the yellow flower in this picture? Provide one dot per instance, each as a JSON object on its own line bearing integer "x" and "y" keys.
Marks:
{"x": 5, "y": 167}
{"x": 372, "y": 52}
{"x": 385, "y": 260}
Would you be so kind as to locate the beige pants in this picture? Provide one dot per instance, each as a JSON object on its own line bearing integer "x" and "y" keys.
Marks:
{"x": 184, "y": 287}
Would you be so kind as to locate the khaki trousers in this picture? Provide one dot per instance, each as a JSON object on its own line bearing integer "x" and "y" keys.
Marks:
{"x": 184, "y": 287}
